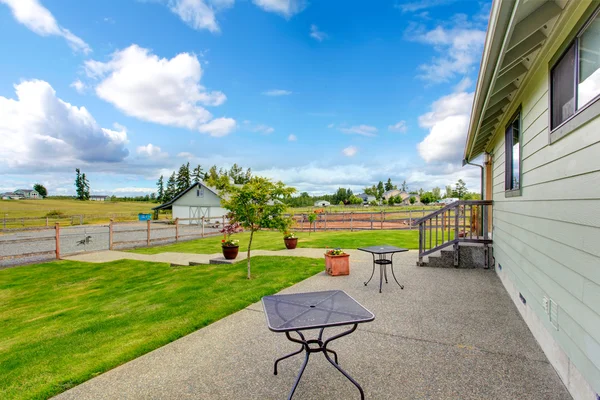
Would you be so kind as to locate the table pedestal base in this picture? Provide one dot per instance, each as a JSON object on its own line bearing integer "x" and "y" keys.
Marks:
{"x": 383, "y": 263}
{"x": 317, "y": 346}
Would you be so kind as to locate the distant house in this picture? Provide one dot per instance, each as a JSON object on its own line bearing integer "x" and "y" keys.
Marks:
{"x": 392, "y": 193}
{"x": 11, "y": 196}
{"x": 195, "y": 202}
{"x": 322, "y": 203}
{"x": 403, "y": 195}
{"x": 28, "y": 193}
{"x": 448, "y": 200}
{"x": 99, "y": 197}
{"x": 366, "y": 198}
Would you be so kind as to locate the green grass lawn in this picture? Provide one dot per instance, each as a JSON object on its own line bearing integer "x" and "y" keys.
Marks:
{"x": 267, "y": 240}
{"x": 65, "y": 322}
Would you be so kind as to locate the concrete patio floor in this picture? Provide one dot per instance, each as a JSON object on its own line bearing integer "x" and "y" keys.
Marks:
{"x": 450, "y": 334}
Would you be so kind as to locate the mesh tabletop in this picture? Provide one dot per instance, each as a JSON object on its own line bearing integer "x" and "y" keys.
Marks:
{"x": 383, "y": 249}
{"x": 292, "y": 312}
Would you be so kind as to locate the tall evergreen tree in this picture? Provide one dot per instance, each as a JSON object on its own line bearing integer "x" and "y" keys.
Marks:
{"x": 197, "y": 174}
{"x": 78, "y": 185}
{"x": 404, "y": 187}
{"x": 160, "y": 185}
{"x": 388, "y": 185}
{"x": 171, "y": 190}
{"x": 183, "y": 179}
{"x": 86, "y": 187}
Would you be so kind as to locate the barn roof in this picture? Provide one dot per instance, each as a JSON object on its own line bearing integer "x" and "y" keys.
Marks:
{"x": 192, "y": 186}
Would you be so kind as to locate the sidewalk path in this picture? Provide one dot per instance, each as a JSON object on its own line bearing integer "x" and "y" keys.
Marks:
{"x": 186, "y": 258}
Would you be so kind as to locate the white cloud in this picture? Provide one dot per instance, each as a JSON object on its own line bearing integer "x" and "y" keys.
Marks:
{"x": 160, "y": 90}
{"x": 127, "y": 190}
{"x": 39, "y": 130}
{"x": 459, "y": 47}
{"x": 364, "y": 130}
{"x": 350, "y": 151}
{"x": 41, "y": 21}
{"x": 266, "y": 129}
{"x": 330, "y": 126}
{"x": 78, "y": 86}
{"x": 464, "y": 84}
{"x": 185, "y": 154}
{"x": 199, "y": 14}
{"x": 277, "y": 92}
{"x": 292, "y": 138}
{"x": 151, "y": 151}
{"x": 286, "y": 8}
{"x": 414, "y": 6}
{"x": 316, "y": 34}
{"x": 400, "y": 127}
{"x": 448, "y": 122}
{"x": 219, "y": 127}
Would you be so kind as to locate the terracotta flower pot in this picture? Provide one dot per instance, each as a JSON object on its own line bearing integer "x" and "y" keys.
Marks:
{"x": 337, "y": 265}
{"x": 290, "y": 243}
{"x": 230, "y": 252}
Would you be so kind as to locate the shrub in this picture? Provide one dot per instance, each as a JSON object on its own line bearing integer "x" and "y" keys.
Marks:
{"x": 55, "y": 214}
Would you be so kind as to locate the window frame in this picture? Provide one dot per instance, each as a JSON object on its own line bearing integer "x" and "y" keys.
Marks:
{"x": 592, "y": 108}
{"x": 513, "y": 192}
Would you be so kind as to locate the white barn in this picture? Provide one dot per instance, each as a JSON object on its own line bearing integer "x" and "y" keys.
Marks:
{"x": 195, "y": 202}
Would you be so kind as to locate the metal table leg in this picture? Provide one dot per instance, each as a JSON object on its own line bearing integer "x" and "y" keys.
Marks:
{"x": 394, "y": 275}
{"x": 372, "y": 273}
{"x": 321, "y": 347}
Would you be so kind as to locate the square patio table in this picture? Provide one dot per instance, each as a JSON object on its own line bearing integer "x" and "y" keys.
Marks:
{"x": 314, "y": 310}
{"x": 381, "y": 252}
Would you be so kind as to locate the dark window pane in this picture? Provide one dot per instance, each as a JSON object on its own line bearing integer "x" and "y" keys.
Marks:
{"x": 563, "y": 88}
{"x": 589, "y": 64}
{"x": 508, "y": 148}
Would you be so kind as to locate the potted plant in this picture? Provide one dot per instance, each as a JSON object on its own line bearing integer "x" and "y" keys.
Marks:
{"x": 291, "y": 240}
{"x": 230, "y": 246}
{"x": 337, "y": 262}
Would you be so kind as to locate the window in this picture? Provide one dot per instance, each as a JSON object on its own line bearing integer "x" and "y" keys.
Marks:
{"x": 512, "y": 162}
{"x": 575, "y": 78}
{"x": 200, "y": 192}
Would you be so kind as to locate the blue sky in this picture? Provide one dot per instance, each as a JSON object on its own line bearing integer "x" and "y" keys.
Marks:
{"x": 318, "y": 94}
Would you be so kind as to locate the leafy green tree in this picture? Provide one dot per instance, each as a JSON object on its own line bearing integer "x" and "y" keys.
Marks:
{"x": 371, "y": 191}
{"x": 460, "y": 189}
{"x": 355, "y": 200}
{"x": 38, "y": 187}
{"x": 184, "y": 179}
{"x": 437, "y": 193}
{"x": 160, "y": 186}
{"x": 391, "y": 200}
{"x": 427, "y": 198}
{"x": 218, "y": 179}
{"x": 197, "y": 174}
{"x": 449, "y": 191}
{"x": 254, "y": 206}
{"x": 412, "y": 199}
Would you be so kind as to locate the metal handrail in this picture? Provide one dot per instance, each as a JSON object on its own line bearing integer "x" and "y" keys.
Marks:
{"x": 454, "y": 227}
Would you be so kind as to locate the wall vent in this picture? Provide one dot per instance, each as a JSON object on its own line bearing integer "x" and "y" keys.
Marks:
{"x": 553, "y": 313}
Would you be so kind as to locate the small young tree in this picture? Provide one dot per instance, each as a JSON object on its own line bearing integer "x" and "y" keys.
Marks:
{"x": 437, "y": 193}
{"x": 38, "y": 187}
{"x": 256, "y": 205}
{"x": 412, "y": 199}
{"x": 312, "y": 218}
{"x": 380, "y": 190}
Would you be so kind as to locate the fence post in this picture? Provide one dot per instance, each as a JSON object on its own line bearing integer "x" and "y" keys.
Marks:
{"x": 110, "y": 234}
{"x": 57, "y": 239}
{"x": 176, "y": 229}
{"x": 371, "y": 220}
{"x": 4, "y": 224}
{"x": 325, "y": 220}
{"x": 46, "y": 222}
{"x": 351, "y": 218}
{"x": 23, "y": 221}
{"x": 410, "y": 219}
{"x": 302, "y": 223}
{"x": 382, "y": 218}
{"x": 202, "y": 221}
{"x": 81, "y": 220}
{"x": 148, "y": 235}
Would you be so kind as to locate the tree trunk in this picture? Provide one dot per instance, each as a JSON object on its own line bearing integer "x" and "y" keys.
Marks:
{"x": 248, "y": 256}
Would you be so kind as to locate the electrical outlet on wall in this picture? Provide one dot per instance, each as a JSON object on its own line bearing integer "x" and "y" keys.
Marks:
{"x": 546, "y": 305}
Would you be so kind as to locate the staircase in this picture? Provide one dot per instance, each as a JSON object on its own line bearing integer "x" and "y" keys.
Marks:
{"x": 456, "y": 236}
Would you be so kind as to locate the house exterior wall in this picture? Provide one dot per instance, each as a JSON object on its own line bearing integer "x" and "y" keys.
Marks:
{"x": 209, "y": 201}
{"x": 547, "y": 240}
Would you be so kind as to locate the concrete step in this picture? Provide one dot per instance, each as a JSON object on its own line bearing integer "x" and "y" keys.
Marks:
{"x": 470, "y": 256}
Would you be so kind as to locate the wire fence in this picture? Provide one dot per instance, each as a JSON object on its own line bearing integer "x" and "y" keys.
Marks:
{"x": 47, "y": 243}
{"x": 8, "y": 224}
